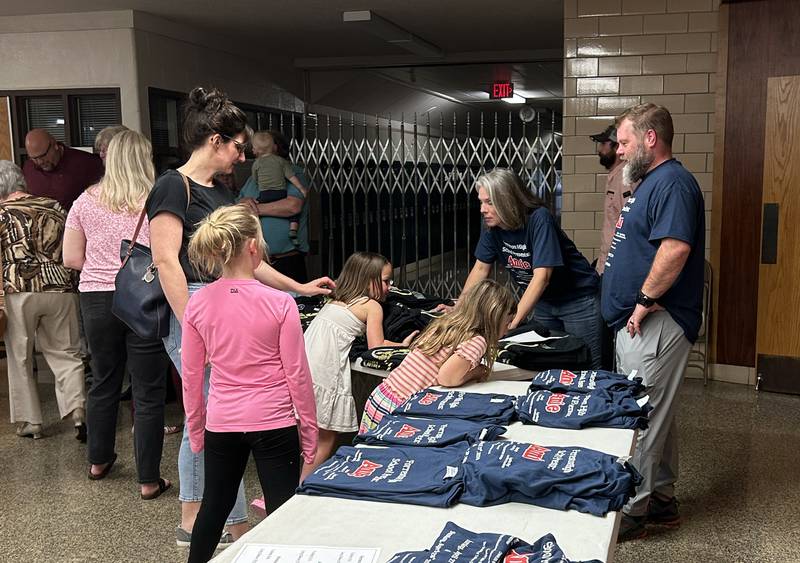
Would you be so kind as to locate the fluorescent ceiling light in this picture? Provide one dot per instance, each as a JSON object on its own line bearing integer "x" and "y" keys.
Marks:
{"x": 517, "y": 99}
{"x": 392, "y": 33}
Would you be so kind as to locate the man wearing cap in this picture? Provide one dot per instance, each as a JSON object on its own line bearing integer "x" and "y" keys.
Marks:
{"x": 56, "y": 171}
{"x": 616, "y": 191}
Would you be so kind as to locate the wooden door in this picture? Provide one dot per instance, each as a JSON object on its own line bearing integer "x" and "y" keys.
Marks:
{"x": 6, "y": 140}
{"x": 778, "y": 342}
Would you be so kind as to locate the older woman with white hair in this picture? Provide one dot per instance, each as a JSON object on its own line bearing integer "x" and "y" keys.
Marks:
{"x": 41, "y": 304}
{"x": 559, "y": 286}
{"x": 103, "y": 139}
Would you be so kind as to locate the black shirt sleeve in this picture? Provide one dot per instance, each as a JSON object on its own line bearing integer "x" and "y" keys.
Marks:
{"x": 168, "y": 195}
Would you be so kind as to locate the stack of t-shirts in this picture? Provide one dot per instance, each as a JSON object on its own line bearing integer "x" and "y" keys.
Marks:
{"x": 308, "y": 308}
{"x": 457, "y": 544}
{"x": 411, "y": 475}
{"x": 485, "y": 407}
{"x": 568, "y": 351}
{"x": 384, "y": 358}
{"x": 406, "y": 431}
{"x": 582, "y": 410}
{"x": 562, "y": 380}
{"x": 556, "y": 477}
{"x": 543, "y": 550}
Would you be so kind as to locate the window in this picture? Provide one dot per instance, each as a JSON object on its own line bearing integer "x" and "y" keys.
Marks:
{"x": 72, "y": 117}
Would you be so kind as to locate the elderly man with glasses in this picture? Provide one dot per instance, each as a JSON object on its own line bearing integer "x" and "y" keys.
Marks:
{"x": 57, "y": 171}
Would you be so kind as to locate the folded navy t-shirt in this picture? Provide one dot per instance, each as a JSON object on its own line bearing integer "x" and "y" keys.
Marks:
{"x": 582, "y": 410}
{"x": 458, "y": 544}
{"x": 563, "y": 380}
{"x": 556, "y": 477}
{"x": 426, "y": 476}
{"x": 543, "y": 550}
{"x": 485, "y": 407}
{"x": 407, "y": 431}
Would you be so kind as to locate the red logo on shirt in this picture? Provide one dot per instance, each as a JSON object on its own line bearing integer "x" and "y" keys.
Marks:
{"x": 429, "y": 399}
{"x": 620, "y": 221}
{"x": 514, "y": 557}
{"x": 535, "y": 453}
{"x": 406, "y": 431}
{"x": 518, "y": 264}
{"x": 566, "y": 377}
{"x": 366, "y": 469}
{"x": 554, "y": 402}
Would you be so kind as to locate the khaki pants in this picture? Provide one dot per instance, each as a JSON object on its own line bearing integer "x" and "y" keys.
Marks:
{"x": 660, "y": 355}
{"x": 53, "y": 318}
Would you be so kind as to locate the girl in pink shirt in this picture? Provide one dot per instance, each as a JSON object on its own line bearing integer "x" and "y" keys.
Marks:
{"x": 260, "y": 398}
{"x": 449, "y": 351}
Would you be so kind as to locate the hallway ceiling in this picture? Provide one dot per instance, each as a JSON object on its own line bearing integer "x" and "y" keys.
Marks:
{"x": 520, "y": 40}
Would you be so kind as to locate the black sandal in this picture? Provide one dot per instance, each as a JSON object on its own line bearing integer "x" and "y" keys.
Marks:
{"x": 163, "y": 485}
{"x": 104, "y": 472}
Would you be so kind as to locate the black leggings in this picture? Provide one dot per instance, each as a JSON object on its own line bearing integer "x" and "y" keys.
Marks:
{"x": 277, "y": 457}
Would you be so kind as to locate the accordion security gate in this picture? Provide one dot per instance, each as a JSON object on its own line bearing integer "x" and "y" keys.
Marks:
{"x": 405, "y": 190}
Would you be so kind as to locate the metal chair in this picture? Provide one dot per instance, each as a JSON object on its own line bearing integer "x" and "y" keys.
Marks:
{"x": 698, "y": 355}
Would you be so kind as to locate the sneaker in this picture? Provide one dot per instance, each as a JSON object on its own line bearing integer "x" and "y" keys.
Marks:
{"x": 79, "y": 418}
{"x": 28, "y": 430}
{"x": 661, "y": 512}
{"x": 631, "y": 528}
{"x": 184, "y": 538}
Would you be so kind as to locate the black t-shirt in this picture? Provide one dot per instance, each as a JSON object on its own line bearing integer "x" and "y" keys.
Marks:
{"x": 169, "y": 195}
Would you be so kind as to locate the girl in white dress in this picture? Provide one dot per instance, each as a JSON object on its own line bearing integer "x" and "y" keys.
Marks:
{"x": 353, "y": 310}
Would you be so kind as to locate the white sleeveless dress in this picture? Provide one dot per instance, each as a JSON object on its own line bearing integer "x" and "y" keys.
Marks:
{"x": 328, "y": 340}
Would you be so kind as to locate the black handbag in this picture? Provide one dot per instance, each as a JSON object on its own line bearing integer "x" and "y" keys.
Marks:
{"x": 139, "y": 301}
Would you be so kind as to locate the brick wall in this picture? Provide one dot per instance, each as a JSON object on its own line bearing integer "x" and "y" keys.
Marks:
{"x": 618, "y": 53}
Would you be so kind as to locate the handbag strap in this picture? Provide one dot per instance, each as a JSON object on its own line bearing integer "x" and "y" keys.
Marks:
{"x": 143, "y": 214}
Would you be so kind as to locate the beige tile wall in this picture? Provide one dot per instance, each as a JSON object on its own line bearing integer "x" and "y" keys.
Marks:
{"x": 619, "y": 53}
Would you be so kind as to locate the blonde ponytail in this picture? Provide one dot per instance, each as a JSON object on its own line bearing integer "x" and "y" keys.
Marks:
{"x": 222, "y": 236}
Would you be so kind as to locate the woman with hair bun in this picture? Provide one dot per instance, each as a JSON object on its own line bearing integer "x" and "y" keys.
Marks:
{"x": 216, "y": 133}
{"x": 259, "y": 376}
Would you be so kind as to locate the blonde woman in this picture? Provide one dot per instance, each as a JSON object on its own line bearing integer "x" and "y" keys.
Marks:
{"x": 99, "y": 220}
{"x": 453, "y": 350}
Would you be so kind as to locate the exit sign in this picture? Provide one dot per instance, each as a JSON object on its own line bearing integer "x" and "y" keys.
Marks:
{"x": 501, "y": 90}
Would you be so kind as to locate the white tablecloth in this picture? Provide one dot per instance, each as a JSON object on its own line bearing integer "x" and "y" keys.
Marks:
{"x": 307, "y": 520}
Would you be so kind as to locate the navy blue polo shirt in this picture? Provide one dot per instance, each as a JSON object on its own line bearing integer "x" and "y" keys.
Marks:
{"x": 667, "y": 204}
{"x": 540, "y": 244}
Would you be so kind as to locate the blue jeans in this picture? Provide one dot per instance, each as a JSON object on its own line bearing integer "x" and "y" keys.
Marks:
{"x": 191, "y": 473}
{"x": 579, "y": 317}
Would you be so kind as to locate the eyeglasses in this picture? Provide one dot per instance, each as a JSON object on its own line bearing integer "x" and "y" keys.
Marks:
{"x": 241, "y": 147}
{"x": 44, "y": 154}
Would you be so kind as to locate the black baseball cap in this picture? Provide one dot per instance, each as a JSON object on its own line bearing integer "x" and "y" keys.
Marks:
{"x": 608, "y": 134}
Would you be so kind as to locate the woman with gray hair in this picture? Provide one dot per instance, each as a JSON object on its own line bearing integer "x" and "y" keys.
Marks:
{"x": 40, "y": 303}
{"x": 103, "y": 139}
{"x": 560, "y": 287}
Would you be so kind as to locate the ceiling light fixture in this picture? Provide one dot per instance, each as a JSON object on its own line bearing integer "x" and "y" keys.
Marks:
{"x": 392, "y": 33}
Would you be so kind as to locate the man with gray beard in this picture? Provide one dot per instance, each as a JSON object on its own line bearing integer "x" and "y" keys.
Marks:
{"x": 652, "y": 298}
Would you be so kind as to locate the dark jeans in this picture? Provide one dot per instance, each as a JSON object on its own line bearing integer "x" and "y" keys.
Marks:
{"x": 579, "y": 317}
{"x": 277, "y": 457}
{"x": 113, "y": 347}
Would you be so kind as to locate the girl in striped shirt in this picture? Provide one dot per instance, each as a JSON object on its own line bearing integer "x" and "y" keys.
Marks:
{"x": 453, "y": 350}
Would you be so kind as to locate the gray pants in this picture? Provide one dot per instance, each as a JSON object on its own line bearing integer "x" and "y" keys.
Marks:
{"x": 660, "y": 355}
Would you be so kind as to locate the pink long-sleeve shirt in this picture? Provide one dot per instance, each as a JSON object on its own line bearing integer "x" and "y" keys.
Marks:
{"x": 251, "y": 336}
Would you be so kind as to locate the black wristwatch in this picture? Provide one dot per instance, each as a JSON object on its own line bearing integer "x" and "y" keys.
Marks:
{"x": 644, "y": 300}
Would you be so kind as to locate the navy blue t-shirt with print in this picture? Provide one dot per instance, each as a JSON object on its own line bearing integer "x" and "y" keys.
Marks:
{"x": 667, "y": 204}
{"x": 540, "y": 244}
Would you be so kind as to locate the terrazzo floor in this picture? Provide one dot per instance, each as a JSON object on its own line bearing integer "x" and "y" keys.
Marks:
{"x": 739, "y": 488}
